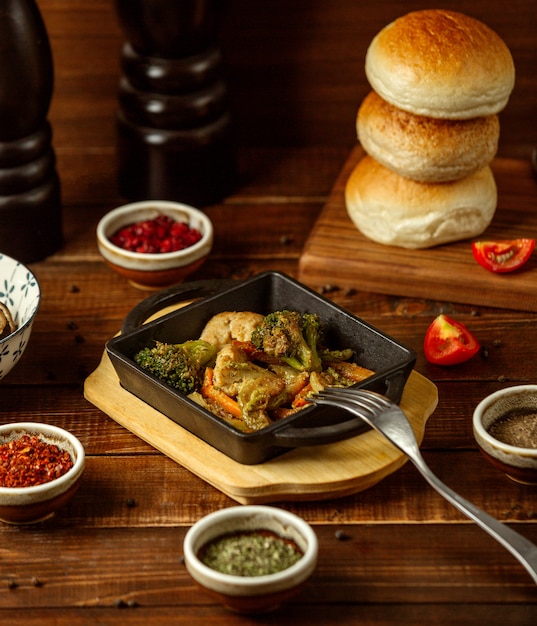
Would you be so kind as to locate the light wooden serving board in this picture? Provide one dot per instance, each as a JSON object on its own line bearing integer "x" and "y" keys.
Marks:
{"x": 308, "y": 473}
{"x": 337, "y": 253}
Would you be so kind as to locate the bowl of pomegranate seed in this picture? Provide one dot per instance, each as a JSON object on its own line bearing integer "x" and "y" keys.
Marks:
{"x": 155, "y": 243}
{"x": 41, "y": 467}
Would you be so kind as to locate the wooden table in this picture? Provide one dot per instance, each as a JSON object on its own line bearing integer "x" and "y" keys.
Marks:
{"x": 396, "y": 553}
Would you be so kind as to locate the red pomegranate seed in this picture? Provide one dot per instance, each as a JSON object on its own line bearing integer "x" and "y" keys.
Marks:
{"x": 159, "y": 235}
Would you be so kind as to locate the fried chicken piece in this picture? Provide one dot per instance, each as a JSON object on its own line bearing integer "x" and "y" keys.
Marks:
{"x": 224, "y": 327}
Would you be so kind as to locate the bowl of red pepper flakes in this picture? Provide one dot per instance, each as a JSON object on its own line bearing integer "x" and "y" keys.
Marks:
{"x": 155, "y": 243}
{"x": 41, "y": 467}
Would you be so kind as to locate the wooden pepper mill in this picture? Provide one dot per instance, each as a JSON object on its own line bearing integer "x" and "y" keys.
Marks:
{"x": 174, "y": 130}
{"x": 30, "y": 202}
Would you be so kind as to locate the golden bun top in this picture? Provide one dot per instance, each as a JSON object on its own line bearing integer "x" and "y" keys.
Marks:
{"x": 442, "y": 64}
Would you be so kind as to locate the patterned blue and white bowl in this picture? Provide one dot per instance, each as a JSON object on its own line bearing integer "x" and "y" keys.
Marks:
{"x": 21, "y": 294}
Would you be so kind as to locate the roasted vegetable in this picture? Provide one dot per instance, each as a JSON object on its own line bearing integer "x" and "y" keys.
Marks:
{"x": 328, "y": 356}
{"x": 180, "y": 365}
{"x": 254, "y": 388}
{"x": 252, "y": 370}
{"x": 291, "y": 337}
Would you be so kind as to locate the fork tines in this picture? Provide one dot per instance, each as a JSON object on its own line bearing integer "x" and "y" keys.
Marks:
{"x": 356, "y": 396}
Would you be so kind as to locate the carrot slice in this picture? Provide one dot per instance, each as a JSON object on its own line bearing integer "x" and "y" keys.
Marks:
{"x": 300, "y": 398}
{"x": 210, "y": 391}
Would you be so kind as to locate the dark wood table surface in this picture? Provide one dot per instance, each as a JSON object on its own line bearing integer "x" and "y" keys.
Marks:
{"x": 409, "y": 557}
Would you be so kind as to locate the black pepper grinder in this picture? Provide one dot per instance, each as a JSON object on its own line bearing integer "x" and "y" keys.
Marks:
{"x": 174, "y": 128}
{"x": 30, "y": 202}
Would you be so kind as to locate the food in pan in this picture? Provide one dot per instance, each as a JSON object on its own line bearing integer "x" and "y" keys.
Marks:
{"x": 179, "y": 365}
{"x": 252, "y": 370}
{"x": 7, "y": 325}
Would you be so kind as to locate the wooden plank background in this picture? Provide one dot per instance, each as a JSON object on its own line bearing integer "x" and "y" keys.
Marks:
{"x": 295, "y": 69}
{"x": 296, "y": 73}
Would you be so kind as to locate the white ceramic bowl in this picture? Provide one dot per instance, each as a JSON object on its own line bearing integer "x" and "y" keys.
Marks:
{"x": 21, "y": 294}
{"x": 518, "y": 463}
{"x": 27, "y": 505}
{"x": 154, "y": 271}
{"x": 251, "y": 594}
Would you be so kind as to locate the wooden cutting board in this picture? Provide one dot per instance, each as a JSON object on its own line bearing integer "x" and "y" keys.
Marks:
{"x": 308, "y": 473}
{"x": 336, "y": 253}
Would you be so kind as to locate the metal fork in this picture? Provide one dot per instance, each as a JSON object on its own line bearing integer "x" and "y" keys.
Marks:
{"x": 389, "y": 420}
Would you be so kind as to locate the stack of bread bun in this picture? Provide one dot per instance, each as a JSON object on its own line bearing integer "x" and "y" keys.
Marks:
{"x": 430, "y": 129}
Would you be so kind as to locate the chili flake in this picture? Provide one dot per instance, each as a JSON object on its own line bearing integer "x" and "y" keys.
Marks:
{"x": 158, "y": 235}
{"x": 251, "y": 553}
{"x": 28, "y": 461}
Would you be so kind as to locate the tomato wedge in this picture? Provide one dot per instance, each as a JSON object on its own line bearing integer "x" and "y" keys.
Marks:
{"x": 448, "y": 342}
{"x": 503, "y": 256}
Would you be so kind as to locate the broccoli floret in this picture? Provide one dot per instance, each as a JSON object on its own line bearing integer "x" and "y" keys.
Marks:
{"x": 311, "y": 329}
{"x": 336, "y": 355}
{"x": 180, "y": 365}
{"x": 290, "y": 337}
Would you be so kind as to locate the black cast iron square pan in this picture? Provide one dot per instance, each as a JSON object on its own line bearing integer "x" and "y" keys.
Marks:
{"x": 391, "y": 361}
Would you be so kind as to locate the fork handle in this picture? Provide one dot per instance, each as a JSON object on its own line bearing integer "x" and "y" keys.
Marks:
{"x": 519, "y": 546}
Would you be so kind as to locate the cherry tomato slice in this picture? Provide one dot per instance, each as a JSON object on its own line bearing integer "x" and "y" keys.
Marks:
{"x": 503, "y": 256}
{"x": 448, "y": 342}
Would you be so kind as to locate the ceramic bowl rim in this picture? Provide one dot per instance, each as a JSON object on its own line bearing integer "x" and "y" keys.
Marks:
{"x": 482, "y": 433}
{"x": 47, "y": 430}
{"x": 196, "y": 250}
{"x": 22, "y": 327}
{"x": 229, "y": 584}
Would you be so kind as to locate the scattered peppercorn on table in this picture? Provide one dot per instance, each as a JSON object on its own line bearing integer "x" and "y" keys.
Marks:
{"x": 395, "y": 553}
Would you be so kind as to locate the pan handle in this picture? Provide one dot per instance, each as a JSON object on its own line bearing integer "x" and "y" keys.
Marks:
{"x": 320, "y": 435}
{"x": 172, "y": 295}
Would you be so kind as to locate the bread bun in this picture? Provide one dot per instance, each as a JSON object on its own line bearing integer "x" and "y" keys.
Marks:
{"x": 397, "y": 211}
{"x": 442, "y": 64}
{"x": 424, "y": 148}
